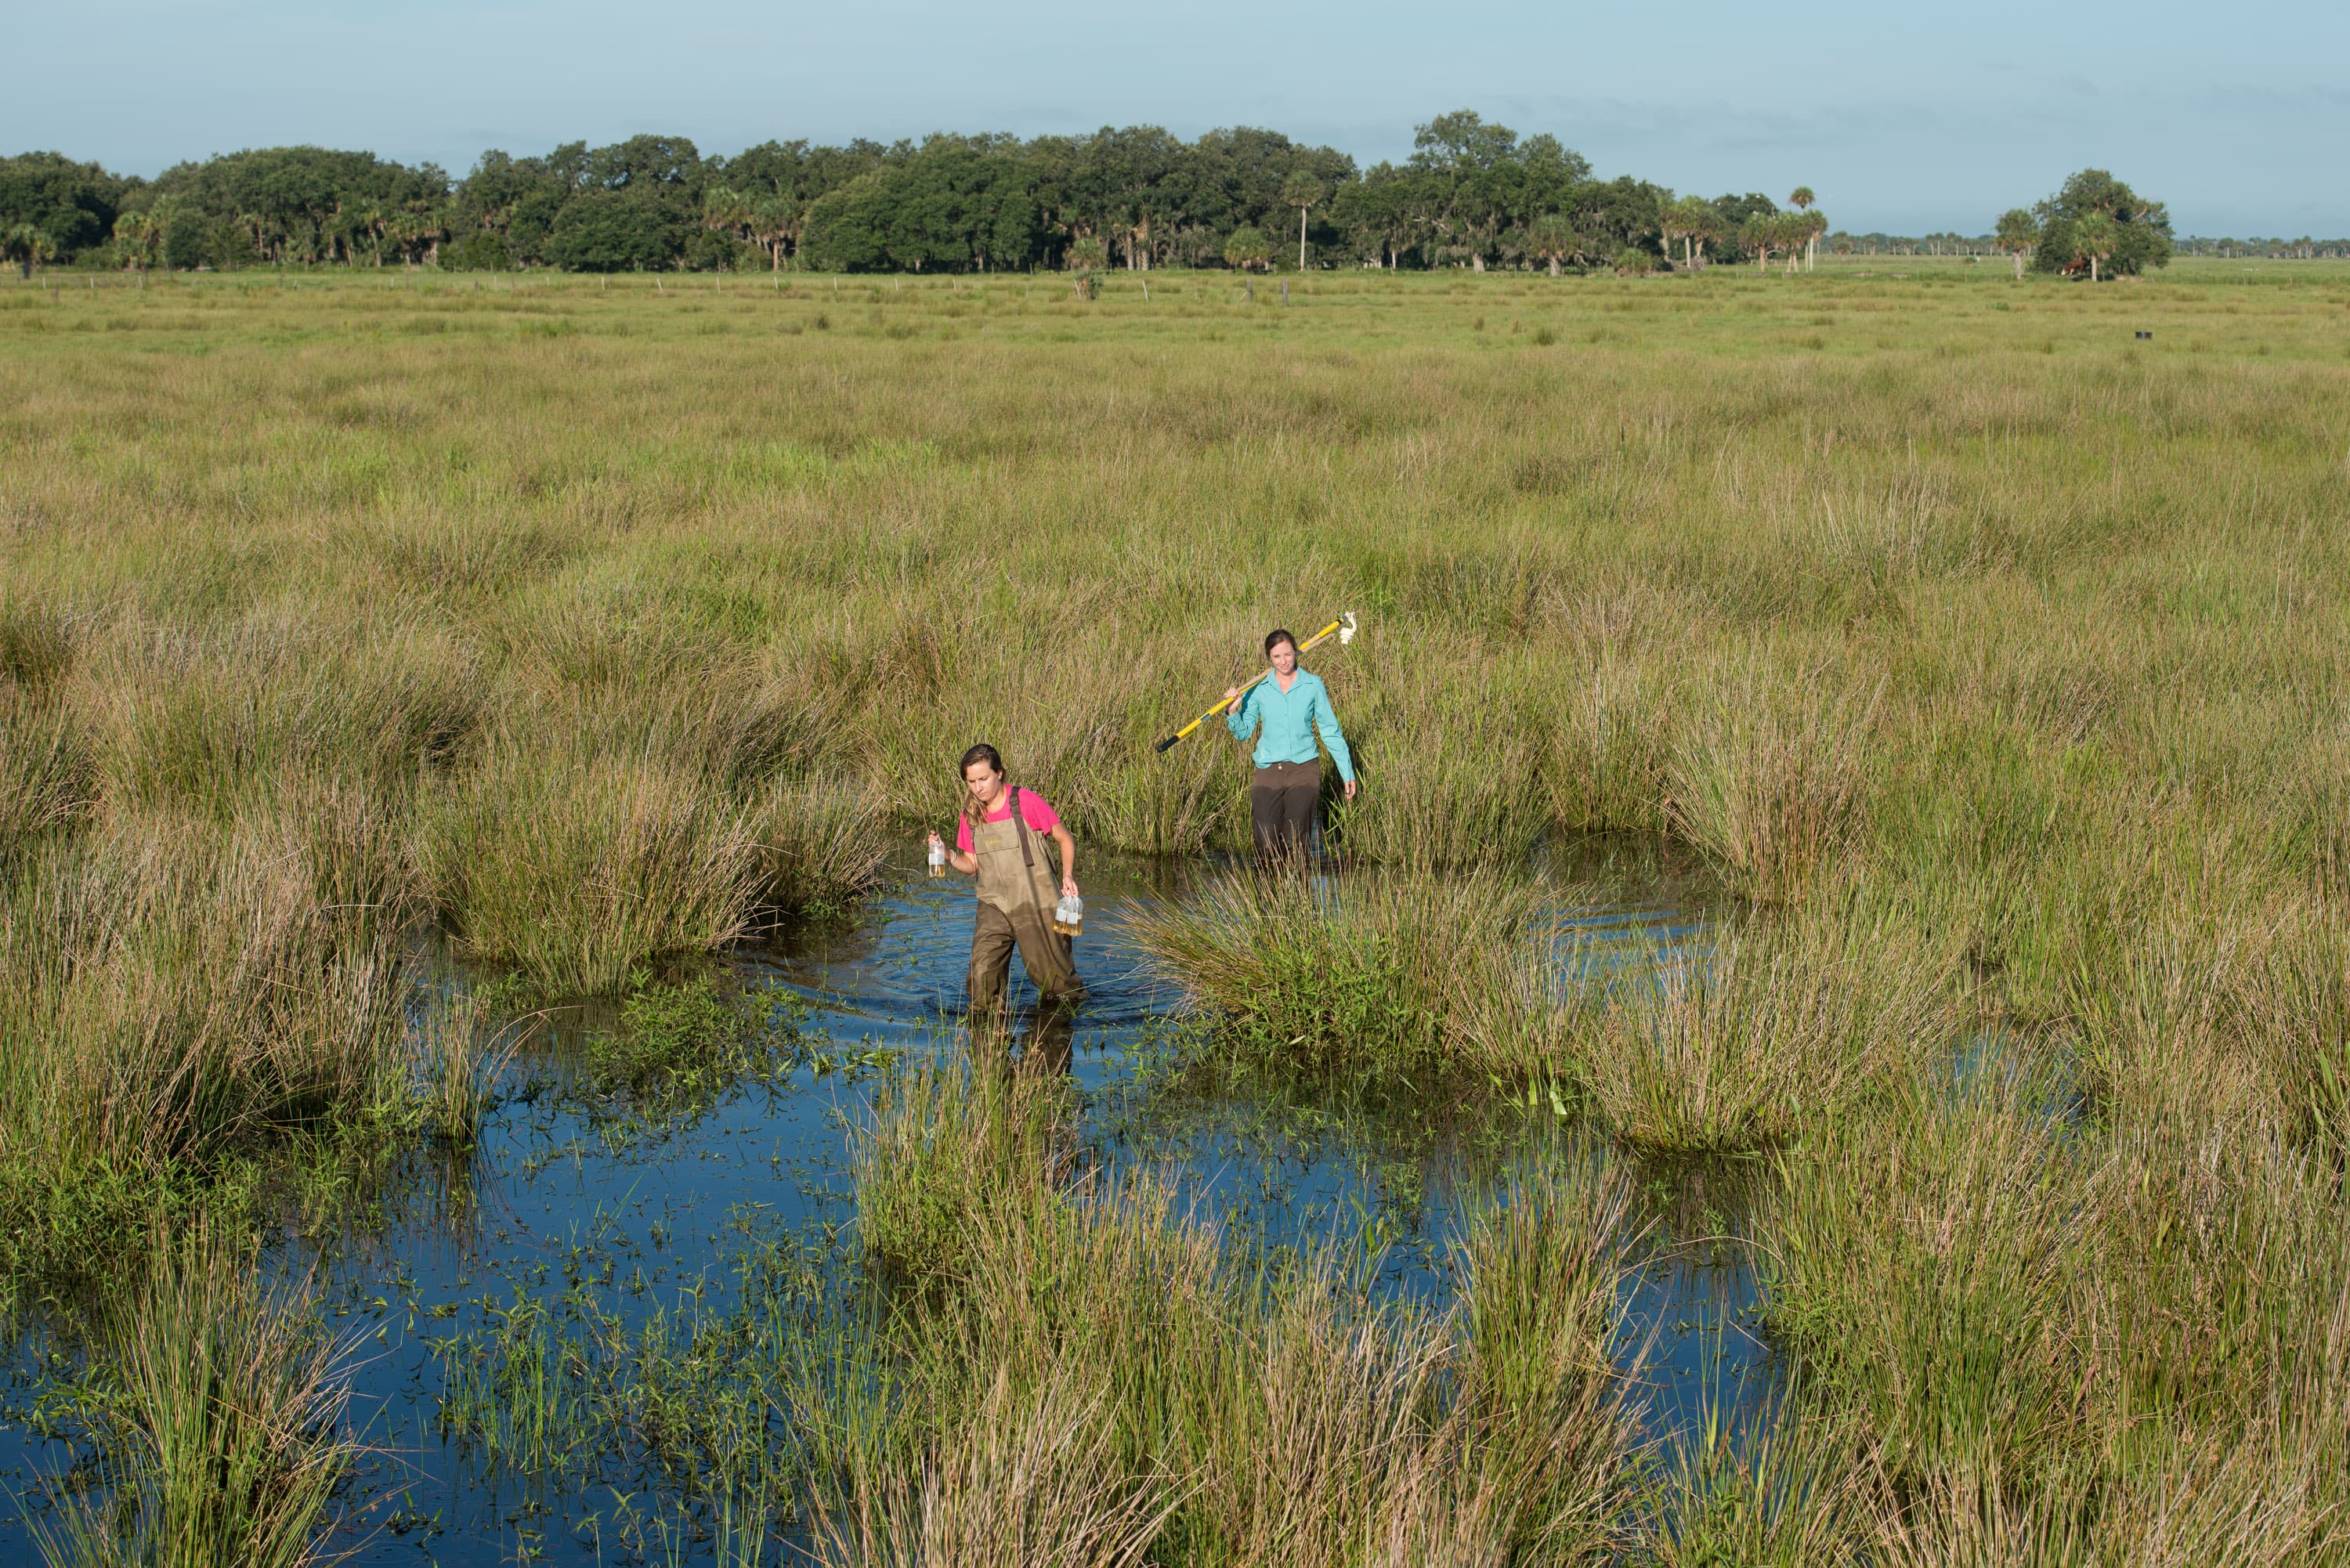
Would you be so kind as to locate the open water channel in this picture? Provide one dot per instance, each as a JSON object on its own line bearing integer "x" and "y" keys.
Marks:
{"x": 650, "y": 1217}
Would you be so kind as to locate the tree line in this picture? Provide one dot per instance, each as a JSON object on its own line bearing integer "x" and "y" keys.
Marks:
{"x": 1473, "y": 193}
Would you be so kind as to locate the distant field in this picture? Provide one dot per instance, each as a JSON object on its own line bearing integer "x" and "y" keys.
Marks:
{"x": 1990, "y": 656}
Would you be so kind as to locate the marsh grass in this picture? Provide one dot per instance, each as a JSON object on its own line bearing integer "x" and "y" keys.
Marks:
{"x": 227, "y": 1423}
{"x": 326, "y": 608}
{"x": 1764, "y": 1485}
{"x": 946, "y": 1144}
{"x": 1031, "y": 1480}
{"x": 460, "y": 1056}
{"x": 1771, "y": 778}
{"x": 1370, "y": 969}
{"x": 1776, "y": 1024}
{"x": 573, "y": 869}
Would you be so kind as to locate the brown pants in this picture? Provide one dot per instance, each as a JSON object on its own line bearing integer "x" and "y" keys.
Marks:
{"x": 1043, "y": 953}
{"x": 1282, "y": 798}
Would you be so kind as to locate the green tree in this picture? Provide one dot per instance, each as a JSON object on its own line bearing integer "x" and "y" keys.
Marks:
{"x": 1382, "y": 213}
{"x": 2017, "y": 235}
{"x": 1301, "y": 191}
{"x": 139, "y": 237}
{"x": 2094, "y": 234}
{"x": 75, "y": 204}
{"x": 1553, "y": 239}
{"x": 1246, "y": 249}
{"x": 1802, "y": 199}
{"x": 29, "y": 246}
{"x": 2141, "y": 236}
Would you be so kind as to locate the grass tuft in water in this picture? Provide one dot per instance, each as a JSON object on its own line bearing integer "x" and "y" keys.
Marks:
{"x": 1367, "y": 970}
{"x": 226, "y": 1427}
{"x": 1783, "y": 1022}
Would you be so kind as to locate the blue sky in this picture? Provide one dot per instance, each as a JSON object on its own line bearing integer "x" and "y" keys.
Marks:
{"x": 1903, "y": 117}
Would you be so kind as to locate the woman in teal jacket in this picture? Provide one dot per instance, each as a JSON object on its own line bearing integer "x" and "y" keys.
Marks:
{"x": 1286, "y": 711}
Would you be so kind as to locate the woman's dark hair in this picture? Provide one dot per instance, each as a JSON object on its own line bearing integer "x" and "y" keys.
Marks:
{"x": 981, "y": 753}
{"x": 1275, "y": 637}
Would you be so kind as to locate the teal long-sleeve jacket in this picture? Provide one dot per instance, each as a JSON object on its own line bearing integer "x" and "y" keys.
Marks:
{"x": 1286, "y": 722}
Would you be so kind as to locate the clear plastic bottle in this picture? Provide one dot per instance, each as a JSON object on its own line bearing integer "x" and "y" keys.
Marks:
{"x": 1069, "y": 916}
{"x": 938, "y": 859}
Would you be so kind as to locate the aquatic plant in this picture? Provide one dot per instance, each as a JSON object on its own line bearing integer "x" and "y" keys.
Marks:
{"x": 227, "y": 1424}
{"x": 1776, "y": 1024}
{"x": 1394, "y": 971}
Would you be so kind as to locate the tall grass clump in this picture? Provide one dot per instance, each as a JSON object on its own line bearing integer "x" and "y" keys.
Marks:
{"x": 458, "y": 1059}
{"x": 170, "y": 989}
{"x": 1035, "y": 1478}
{"x": 1367, "y": 969}
{"x": 818, "y": 845}
{"x": 575, "y": 869}
{"x": 1778, "y": 1023}
{"x": 189, "y": 718}
{"x": 1771, "y": 778}
{"x": 1772, "y": 1484}
{"x": 45, "y": 776}
{"x": 1920, "y": 1262}
{"x": 226, "y": 1440}
{"x": 1551, "y": 1434}
{"x": 1256, "y": 1410}
{"x": 947, "y": 1144}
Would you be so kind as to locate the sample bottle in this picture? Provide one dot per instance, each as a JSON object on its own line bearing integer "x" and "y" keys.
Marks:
{"x": 1069, "y": 916}
{"x": 938, "y": 859}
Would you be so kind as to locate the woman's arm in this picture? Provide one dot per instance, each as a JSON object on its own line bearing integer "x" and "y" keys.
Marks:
{"x": 1242, "y": 717}
{"x": 1325, "y": 724}
{"x": 1068, "y": 858}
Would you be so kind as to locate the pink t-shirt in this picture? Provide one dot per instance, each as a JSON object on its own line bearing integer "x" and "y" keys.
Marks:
{"x": 1033, "y": 811}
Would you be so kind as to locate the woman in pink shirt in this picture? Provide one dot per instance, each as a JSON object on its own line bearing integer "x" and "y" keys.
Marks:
{"x": 1001, "y": 841}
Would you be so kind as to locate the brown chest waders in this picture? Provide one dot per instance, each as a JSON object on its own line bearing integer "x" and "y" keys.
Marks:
{"x": 1016, "y": 901}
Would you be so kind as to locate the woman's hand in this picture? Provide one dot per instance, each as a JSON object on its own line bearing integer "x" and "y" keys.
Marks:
{"x": 1350, "y": 789}
{"x": 1231, "y": 695}
{"x": 1069, "y": 888}
{"x": 937, "y": 842}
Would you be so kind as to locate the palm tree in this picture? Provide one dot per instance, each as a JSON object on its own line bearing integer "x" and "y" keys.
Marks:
{"x": 1085, "y": 256}
{"x": 1301, "y": 191}
{"x": 1692, "y": 222}
{"x": 1760, "y": 234}
{"x": 1246, "y": 249}
{"x": 137, "y": 232}
{"x": 28, "y": 248}
{"x": 2018, "y": 236}
{"x": 2094, "y": 236}
{"x": 1706, "y": 227}
{"x": 1553, "y": 239}
{"x": 1802, "y": 199}
{"x": 769, "y": 223}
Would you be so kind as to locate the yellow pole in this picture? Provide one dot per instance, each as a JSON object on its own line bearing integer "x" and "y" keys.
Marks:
{"x": 1347, "y": 620}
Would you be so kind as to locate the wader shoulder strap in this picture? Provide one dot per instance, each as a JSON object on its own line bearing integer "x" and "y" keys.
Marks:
{"x": 1020, "y": 831}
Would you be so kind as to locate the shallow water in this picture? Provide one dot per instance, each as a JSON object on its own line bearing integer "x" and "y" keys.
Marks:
{"x": 643, "y": 1220}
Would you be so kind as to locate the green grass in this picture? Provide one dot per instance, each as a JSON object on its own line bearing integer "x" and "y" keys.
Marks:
{"x": 602, "y": 625}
